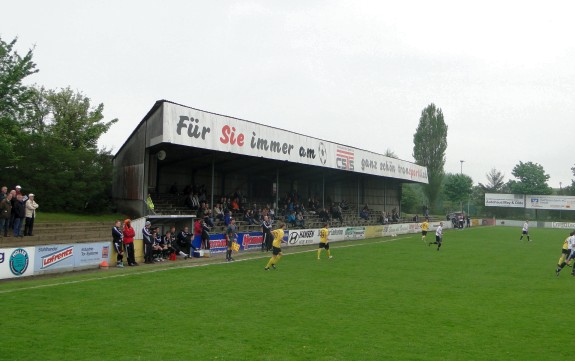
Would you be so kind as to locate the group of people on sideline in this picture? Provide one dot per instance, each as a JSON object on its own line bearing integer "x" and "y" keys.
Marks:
{"x": 158, "y": 246}
{"x": 17, "y": 209}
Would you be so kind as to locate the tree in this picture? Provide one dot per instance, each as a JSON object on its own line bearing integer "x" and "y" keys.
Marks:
{"x": 14, "y": 96}
{"x": 495, "y": 183}
{"x": 429, "y": 146}
{"x": 411, "y": 198}
{"x": 59, "y": 154}
{"x": 458, "y": 187}
{"x": 390, "y": 153}
{"x": 75, "y": 123}
{"x": 531, "y": 179}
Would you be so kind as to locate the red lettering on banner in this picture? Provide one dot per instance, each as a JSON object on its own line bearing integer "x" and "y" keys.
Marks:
{"x": 229, "y": 136}
{"x": 56, "y": 257}
{"x": 218, "y": 243}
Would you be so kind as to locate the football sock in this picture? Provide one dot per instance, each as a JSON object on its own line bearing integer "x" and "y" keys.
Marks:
{"x": 318, "y": 253}
{"x": 277, "y": 259}
{"x": 328, "y": 253}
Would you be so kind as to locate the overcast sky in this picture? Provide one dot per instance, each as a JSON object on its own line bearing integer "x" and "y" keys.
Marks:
{"x": 352, "y": 72}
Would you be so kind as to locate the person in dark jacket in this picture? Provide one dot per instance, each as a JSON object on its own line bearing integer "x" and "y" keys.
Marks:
{"x": 267, "y": 234}
{"x": 19, "y": 212}
{"x": 148, "y": 243}
{"x": 5, "y": 214}
{"x": 117, "y": 242}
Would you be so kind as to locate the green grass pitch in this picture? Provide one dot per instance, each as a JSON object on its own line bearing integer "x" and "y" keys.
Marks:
{"x": 484, "y": 296}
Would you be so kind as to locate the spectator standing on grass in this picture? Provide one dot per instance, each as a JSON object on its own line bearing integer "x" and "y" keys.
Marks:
{"x": 129, "y": 234}
{"x": 117, "y": 242}
{"x": 31, "y": 207}
{"x": 5, "y": 214}
{"x": 148, "y": 243}
{"x": 19, "y": 212}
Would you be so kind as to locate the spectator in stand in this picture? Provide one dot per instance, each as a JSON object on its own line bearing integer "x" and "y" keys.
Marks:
{"x": 323, "y": 215}
{"x": 5, "y": 214}
{"x": 192, "y": 201}
{"x": 344, "y": 205}
{"x": 148, "y": 243}
{"x": 3, "y": 193}
{"x": 272, "y": 213}
{"x": 19, "y": 212}
{"x": 117, "y": 242}
{"x": 291, "y": 219}
{"x": 364, "y": 213}
{"x": 184, "y": 240}
{"x": 31, "y": 207}
{"x": 235, "y": 205}
{"x": 218, "y": 213}
{"x": 129, "y": 234}
{"x": 209, "y": 219}
{"x": 150, "y": 204}
{"x": 300, "y": 221}
{"x": 336, "y": 212}
{"x": 225, "y": 204}
{"x": 227, "y": 218}
{"x": 248, "y": 217}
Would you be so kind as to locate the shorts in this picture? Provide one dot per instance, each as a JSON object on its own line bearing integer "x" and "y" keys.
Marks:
{"x": 525, "y": 232}
{"x": 566, "y": 251}
{"x": 438, "y": 239}
{"x": 424, "y": 233}
{"x": 276, "y": 251}
{"x": 324, "y": 245}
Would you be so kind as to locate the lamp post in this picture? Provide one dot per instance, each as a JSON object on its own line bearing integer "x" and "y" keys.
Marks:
{"x": 461, "y": 203}
{"x": 560, "y": 193}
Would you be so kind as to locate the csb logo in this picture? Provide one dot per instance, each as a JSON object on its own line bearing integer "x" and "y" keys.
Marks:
{"x": 19, "y": 261}
{"x": 344, "y": 158}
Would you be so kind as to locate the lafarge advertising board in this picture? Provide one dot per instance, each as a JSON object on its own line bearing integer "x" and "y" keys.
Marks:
{"x": 16, "y": 262}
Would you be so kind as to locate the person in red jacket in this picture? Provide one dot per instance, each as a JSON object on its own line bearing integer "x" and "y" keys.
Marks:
{"x": 129, "y": 235}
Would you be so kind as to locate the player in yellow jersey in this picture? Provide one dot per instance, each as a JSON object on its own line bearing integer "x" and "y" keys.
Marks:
{"x": 424, "y": 228}
{"x": 566, "y": 250}
{"x": 323, "y": 241}
{"x": 276, "y": 247}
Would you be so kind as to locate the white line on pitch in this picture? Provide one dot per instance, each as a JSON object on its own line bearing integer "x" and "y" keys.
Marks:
{"x": 186, "y": 266}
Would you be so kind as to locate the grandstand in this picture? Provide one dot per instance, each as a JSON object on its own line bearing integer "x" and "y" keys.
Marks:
{"x": 176, "y": 144}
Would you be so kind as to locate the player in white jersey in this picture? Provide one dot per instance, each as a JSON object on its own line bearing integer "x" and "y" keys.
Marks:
{"x": 438, "y": 236}
{"x": 525, "y": 231}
